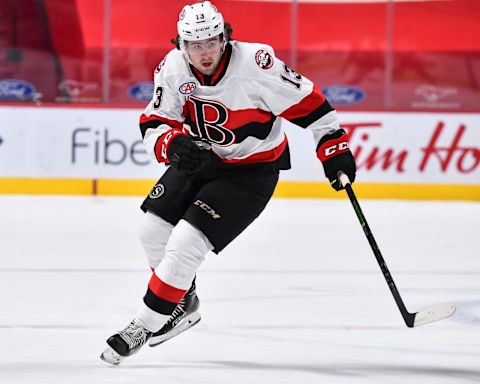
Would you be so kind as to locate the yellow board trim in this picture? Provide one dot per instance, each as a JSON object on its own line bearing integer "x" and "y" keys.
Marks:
{"x": 403, "y": 191}
{"x": 27, "y": 186}
{"x": 285, "y": 189}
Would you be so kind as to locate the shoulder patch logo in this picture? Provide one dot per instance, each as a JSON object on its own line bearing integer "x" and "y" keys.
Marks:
{"x": 156, "y": 191}
{"x": 263, "y": 59}
{"x": 187, "y": 88}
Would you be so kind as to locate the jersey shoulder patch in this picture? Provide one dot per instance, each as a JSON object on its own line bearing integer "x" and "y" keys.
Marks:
{"x": 264, "y": 59}
{"x": 261, "y": 56}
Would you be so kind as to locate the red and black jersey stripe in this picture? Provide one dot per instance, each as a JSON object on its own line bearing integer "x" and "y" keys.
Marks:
{"x": 255, "y": 129}
{"x": 244, "y": 123}
{"x": 236, "y": 118}
{"x": 154, "y": 121}
{"x": 308, "y": 110}
{"x": 268, "y": 156}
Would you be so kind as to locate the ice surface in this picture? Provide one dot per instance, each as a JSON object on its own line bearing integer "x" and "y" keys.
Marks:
{"x": 298, "y": 298}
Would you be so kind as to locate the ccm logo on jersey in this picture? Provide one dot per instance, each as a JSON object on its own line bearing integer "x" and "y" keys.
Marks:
{"x": 263, "y": 59}
{"x": 187, "y": 88}
{"x": 207, "y": 209}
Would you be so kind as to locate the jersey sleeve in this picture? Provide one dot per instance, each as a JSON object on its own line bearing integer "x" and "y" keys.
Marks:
{"x": 162, "y": 118}
{"x": 295, "y": 98}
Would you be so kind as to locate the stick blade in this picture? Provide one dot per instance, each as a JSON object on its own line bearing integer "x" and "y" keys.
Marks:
{"x": 430, "y": 315}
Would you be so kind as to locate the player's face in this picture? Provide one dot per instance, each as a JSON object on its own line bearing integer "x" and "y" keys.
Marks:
{"x": 205, "y": 54}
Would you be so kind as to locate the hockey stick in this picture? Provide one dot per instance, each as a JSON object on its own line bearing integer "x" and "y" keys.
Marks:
{"x": 411, "y": 319}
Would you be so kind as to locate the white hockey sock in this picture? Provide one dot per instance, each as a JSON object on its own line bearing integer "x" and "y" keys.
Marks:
{"x": 149, "y": 319}
{"x": 184, "y": 253}
{"x": 154, "y": 233}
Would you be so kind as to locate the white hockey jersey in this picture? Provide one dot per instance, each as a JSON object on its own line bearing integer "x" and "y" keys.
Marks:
{"x": 239, "y": 109}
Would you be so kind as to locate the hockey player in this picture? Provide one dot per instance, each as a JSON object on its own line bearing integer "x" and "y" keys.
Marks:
{"x": 217, "y": 118}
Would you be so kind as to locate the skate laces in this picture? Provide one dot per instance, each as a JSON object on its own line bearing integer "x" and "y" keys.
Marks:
{"x": 134, "y": 334}
{"x": 178, "y": 311}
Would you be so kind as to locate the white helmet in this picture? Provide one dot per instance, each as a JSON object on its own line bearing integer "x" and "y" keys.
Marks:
{"x": 200, "y": 21}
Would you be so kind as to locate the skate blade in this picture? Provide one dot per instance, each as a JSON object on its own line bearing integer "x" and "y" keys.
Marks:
{"x": 187, "y": 323}
{"x": 111, "y": 357}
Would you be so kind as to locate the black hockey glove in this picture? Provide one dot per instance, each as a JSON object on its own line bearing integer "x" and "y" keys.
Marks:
{"x": 187, "y": 154}
{"x": 334, "y": 153}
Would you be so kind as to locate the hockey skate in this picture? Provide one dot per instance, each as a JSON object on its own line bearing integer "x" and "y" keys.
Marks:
{"x": 125, "y": 343}
{"x": 184, "y": 316}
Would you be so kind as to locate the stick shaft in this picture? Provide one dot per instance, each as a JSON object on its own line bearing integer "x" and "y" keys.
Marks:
{"x": 409, "y": 318}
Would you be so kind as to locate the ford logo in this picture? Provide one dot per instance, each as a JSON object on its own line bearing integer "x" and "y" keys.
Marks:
{"x": 141, "y": 91}
{"x": 12, "y": 89}
{"x": 343, "y": 94}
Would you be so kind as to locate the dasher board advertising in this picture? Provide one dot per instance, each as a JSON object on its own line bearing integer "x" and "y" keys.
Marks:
{"x": 391, "y": 147}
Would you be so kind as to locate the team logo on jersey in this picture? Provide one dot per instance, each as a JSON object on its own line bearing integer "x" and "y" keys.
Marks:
{"x": 263, "y": 59}
{"x": 187, "y": 88}
{"x": 156, "y": 191}
{"x": 211, "y": 117}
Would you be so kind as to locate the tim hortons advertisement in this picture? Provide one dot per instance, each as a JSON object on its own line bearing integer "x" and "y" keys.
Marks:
{"x": 408, "y": 147}
{"x": 106, "y": 143}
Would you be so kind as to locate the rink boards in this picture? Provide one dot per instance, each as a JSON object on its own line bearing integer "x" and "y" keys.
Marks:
{"x": 83, "y": 151}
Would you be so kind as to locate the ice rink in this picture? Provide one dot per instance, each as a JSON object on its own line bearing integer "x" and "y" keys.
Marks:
{"x": 297, "y": 298}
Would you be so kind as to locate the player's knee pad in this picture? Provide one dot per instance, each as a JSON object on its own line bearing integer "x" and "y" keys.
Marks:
{"x": 184, "y": 253}
{"x": 154, "y": 233}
